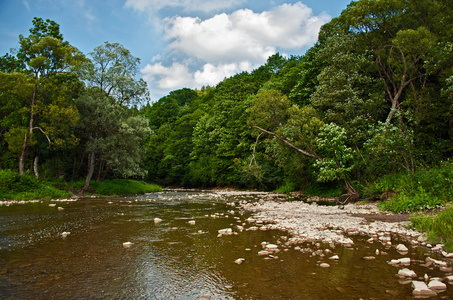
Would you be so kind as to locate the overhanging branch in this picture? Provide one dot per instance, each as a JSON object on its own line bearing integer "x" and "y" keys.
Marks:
{"x": 288, "y": 143}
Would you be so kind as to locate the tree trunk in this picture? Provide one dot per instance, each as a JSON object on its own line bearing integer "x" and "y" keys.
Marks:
{"x": 22, "y": 155}
{"x": 91, "y": 160}
{"x": 105, "y": 173}
{"x": 35, "y": 167}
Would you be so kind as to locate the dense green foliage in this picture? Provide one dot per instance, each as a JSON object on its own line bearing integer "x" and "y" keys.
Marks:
{"x": 26, "y": 187}
{"x": 427, "y": 188}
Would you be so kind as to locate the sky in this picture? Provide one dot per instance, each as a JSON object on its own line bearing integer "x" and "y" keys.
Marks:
{"x": 181, "y": 43}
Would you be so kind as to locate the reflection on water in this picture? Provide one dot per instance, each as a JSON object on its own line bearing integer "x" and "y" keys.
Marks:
{"x": 171, "y": 259}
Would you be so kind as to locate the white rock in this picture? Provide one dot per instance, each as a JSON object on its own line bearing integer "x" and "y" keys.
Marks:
{"x": 449, "y": 278}
{"x": 401, "y": 248}
{"x": 65, "y": 234}
{"x": 60, "y": 208}
{"x": 407, "y": 273}
{"x": 127, "y": 244}
{"x": 271, "y": 247}
{"x": 239, "y": 261}
{"x": 335, "y": 257}
{"x": 157, "y": 220}
{"x": 437, "y": 286}
{"x": 436, "y": 262}
{"x": 253, "y": 228}
{"x": 191, "y": 222}
{"x": 421, "y": 289}
{"x": 226, "y": 231}
{"x": 263, "y": 252}
{"x": 447, "y": 255}
{"x": 324, "y": 265}
{"x": 52, "y": 204}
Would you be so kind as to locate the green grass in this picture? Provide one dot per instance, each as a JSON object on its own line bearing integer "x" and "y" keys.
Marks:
{"x": 117, "y": 187}
{"x": 16, "y": 187}
{"x": 438, "y": 227}
{"x": 427, "y": 189}
{"x": 423, "y": 193}
{"x": 25, "y": 187}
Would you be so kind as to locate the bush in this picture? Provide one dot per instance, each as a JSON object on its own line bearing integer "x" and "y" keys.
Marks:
{"x": 439, "y": 228}
{"x": 428, "y": 188}
{"x": 25, "y": 187}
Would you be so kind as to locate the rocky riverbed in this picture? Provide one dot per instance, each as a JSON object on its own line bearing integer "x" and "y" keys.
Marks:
{"x": 319, "y": 230}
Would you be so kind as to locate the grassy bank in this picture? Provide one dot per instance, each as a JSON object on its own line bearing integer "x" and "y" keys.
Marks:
{"x": 16, "y": 187}
{"x": 427, "y": 194}
{"x": 117, "y": 187}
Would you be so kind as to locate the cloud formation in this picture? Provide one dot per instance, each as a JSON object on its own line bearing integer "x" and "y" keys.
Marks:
{"x": 226, "y": 44}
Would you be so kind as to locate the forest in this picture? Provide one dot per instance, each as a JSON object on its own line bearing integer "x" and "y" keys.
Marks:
{"x": 366, "y": 113}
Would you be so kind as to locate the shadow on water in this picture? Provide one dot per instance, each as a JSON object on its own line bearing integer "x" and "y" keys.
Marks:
{"x": 175, "y": 258}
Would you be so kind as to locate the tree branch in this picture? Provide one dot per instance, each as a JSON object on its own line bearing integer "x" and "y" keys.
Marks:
{"x": 39, "y": 128}
{"x": 288, "y": 143}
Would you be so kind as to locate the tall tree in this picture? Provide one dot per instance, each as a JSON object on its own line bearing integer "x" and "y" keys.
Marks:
{"x": 114, "y": 90}
{"x": 45, "y": 57}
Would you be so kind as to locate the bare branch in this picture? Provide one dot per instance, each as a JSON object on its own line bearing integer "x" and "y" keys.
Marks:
{"x": 39, "y": 128}
{"x": 289, "y": 143}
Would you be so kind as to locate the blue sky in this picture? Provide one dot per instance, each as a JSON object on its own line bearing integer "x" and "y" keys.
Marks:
{"x": 181, "y": 43}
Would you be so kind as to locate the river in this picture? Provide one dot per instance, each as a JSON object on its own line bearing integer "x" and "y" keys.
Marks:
{"x": 179, "y": 255}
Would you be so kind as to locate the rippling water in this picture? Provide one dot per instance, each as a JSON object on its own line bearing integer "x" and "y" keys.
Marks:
{"x": 171, "y": 259}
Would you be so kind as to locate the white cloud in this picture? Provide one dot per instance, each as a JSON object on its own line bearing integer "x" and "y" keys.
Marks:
{"x": 168, "y": 78}
{"x": 227, "y": 44}
{"x": 211, "y": 74}
{"x": 244, "y": 34}
{"x": 187, "y": 5}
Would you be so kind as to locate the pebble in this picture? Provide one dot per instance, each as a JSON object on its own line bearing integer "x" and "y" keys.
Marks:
{"x": 324, "y": 265}
{"x": 127, "y": 244}
{"x": 65, "y": 234}
{"x": 157, "y": 220}
{"x": 369, "y": 258}
{"x": 239, "y": 261}
{"x": 191, "y": 222}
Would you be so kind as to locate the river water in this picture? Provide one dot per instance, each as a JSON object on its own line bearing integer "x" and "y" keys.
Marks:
{"x": 173, "y": 259}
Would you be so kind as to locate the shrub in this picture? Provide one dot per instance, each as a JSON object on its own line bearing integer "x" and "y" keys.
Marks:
{"x": 439, "y": 228}
{"x": 25, "y": 187}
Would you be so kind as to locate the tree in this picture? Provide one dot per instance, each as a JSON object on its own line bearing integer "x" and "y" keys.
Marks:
{"x": 113, "y": 69}
{"x": 45, "y": 57}
{"x": 106, "y": 117}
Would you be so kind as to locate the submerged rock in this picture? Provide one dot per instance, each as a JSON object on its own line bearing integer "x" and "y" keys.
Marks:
{"x": 127, "y": 244}
{"x": 157, "y": 220}
{"x": 239, "y": 261}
